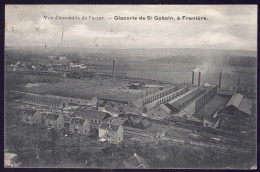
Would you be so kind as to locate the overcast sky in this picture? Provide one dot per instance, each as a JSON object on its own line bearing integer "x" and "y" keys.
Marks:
{"x": 227, "y": 27}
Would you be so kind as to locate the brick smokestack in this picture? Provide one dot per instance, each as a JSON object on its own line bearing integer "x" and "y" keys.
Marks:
{"x": 219, "y": 81}
{"x": 199, "y": 79}
{"x": 192, "y": 79}
{"x": 238, "y": 83}
{"x": 114, "y": 72}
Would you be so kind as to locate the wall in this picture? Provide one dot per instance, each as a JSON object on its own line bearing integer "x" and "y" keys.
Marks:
{"x": 157, "y": 113}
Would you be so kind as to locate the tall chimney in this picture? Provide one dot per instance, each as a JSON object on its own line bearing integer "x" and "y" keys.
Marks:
{"x": 238, "y": 84}
{"x": 192, "y": 79}
{"x": 199, "y": 80}
{"x": 114, "y": 74}
{"x": 219, "y": 81}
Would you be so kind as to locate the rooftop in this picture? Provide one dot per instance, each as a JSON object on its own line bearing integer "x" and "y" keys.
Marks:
{"x": 186, "y": 97}
{"x": 77, "y": 120}
{"x": 85, "y": 112}
{"x": 52, "y": 116}
{"x": 41, "y": 98}
{"x": 110, "y": 127}
{"x": 136, "y": 162}
{"x": 29, "y": 112}
{"x": 246, "y": 105}
{"x": 210, "y": 108}
{"x": 235, "y": 100}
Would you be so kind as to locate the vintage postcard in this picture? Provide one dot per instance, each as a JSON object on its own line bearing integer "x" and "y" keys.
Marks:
{"x": 130, "y": 86}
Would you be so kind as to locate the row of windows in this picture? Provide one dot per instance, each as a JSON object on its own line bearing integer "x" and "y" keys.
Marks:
{"x": 42, "y": 103}
{"x": 158, "y": 96}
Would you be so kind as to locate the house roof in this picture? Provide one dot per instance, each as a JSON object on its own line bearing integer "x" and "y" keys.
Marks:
{"x": 84, "y": 112}
{"x": 145, "y": 122}
{"x": 235, "y": 100}
{"x": 41, "y": 98}
{"x": 136, "y": 162}
{"x": 67, "y": 119}
{"x": 29, "y": 112}
{"x": 43, "y": 114}
{"x": 77, "y": 120}
{"x": 109, "y": 127}
{"x": 52, "y": 116}
{"x": 246, "y": 105}
{"x": 115, "y": 120}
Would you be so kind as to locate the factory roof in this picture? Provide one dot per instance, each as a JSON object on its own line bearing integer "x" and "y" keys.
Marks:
{"x": 136, "y": 162}
{"x": 165, "y": 108}
{"x": 246, "y": 105}
{"x": 77, "y": 120}
{"x": 41, "y": 98}
{"x": 52, "y": 116}
{"x": 29, "y": 112}
{"x": 186, "y": 97}
{"x": 211, "y": 107}
{"x": 235, "y": 100}
{"x": 85, "y": 112}
{"x": 172, "y": 108}
{"x": 151, "y": 105}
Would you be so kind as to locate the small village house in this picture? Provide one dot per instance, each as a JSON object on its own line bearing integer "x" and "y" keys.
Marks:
{"x": 54, "y": 121}
{"x": 113, "y": 133}
{"x": 31, "y": 117}
{"x": 80, "y": 124}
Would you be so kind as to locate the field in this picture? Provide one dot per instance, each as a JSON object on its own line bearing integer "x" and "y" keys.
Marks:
{"x": 181, "y": 72}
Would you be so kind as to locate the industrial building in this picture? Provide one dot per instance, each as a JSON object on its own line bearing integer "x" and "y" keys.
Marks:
{"x": 42, "y": 100}
{"x": 144, "y": 104}
{"x": 239, "y": 105}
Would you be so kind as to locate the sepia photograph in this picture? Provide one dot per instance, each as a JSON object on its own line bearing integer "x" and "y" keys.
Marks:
{"x": 130, "y": 86}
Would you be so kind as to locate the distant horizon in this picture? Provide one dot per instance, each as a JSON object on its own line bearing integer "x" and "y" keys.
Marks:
{"x": 133, "y": 48}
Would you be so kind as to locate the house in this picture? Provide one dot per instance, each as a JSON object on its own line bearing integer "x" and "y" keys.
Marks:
{"x": 80, "y": 124}
{"x": 113, "y": 133}
{"x": 11, "y": 160}
{"x": 54, "y": 121}
{"x": 94, "y": 117}
{"x": 135, "y": 122}
{"x": 31, "y": 117}
{"x": 211, "y": 121}
{"x": 136, "y": 161}
{"x": 42, "y": 100}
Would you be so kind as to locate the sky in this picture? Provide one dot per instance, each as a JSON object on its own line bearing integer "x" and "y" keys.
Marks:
{"x": 228, "y": 26}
